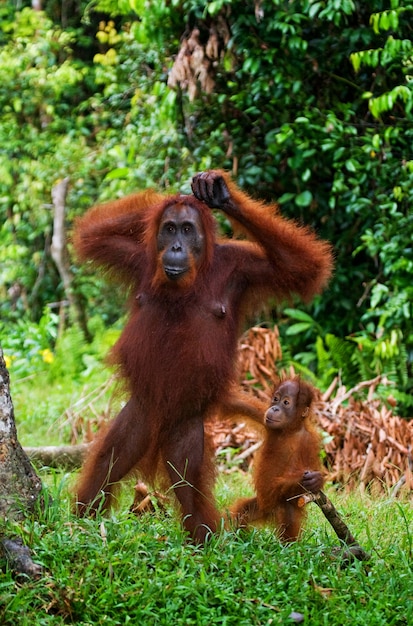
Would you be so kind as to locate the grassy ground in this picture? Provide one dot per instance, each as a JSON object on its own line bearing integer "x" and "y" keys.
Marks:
{"x": 124, "y": 570}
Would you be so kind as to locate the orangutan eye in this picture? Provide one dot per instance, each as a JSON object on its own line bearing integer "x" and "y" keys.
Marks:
{"x": 169, "y": 228}
{"x": 187, "y": 229}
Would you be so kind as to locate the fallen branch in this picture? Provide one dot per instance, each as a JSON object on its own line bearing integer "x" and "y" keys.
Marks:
{"x": 248, "y": 452}
{"x": 61, "y": 457}
{"x": 341, "y": 529}
{"x": 371, "y": 384}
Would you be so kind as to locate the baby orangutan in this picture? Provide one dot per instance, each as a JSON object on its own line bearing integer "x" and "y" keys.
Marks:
{"x": 288, "y": 462}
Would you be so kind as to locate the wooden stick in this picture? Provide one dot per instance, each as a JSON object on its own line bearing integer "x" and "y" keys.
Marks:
{"x": 341, "y": 529}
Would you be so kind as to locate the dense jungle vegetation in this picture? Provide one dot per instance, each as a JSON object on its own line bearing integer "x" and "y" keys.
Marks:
{"x": 307, "y": 103}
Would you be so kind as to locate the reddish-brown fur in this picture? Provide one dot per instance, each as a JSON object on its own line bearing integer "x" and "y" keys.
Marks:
{"x": 287, "y": 465}
{"x": 178, "y": 349}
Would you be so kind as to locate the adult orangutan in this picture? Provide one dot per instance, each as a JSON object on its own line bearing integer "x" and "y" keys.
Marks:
{"x": 190, "y": 294}
{"x": 288, "y": 462}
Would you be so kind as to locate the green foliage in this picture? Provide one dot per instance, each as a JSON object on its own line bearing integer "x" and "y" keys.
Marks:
{"x": 312, "y": 105}
{"x": 396, "y": 54}
{"x": 41, "y": 140}
{"x": 357, "y": 357}
{"x": 26, "y": 345}
{"x": 32, "y": 349}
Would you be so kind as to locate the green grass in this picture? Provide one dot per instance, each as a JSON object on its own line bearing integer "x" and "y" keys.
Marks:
{"x": 48, "y": 412}
{"x": 124, "y": 570}
{"x": 121, "y": 569}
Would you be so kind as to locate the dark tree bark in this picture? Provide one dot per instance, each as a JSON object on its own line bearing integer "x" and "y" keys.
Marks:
{"x": 19, "y": 484}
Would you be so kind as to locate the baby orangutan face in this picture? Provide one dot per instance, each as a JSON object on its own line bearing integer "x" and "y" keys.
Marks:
{"x": 288, "y": 407}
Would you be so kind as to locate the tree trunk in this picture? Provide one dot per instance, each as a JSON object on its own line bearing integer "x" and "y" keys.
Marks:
{"x": 60, "y": 255}
{"x": 19, "y": 484}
